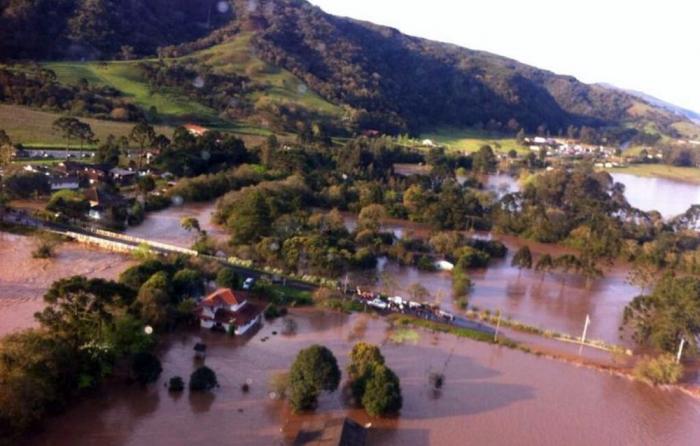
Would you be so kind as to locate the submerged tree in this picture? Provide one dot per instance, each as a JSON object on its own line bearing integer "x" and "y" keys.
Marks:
{"x": 667, "y": 315}
{"x": 522, "y": 258}
{"x": 314, "y": 370}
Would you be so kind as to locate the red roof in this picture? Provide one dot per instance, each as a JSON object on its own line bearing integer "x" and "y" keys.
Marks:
{"x": 197, "y": 129}
{"x": 225, "y": 296}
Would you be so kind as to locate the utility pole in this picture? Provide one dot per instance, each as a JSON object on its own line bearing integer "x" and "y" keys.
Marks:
{"x": 498, "y": 326}
{"x": 583, "y": 335}
{"x": 345, "y": 284}
{"x": 680, "y": 351}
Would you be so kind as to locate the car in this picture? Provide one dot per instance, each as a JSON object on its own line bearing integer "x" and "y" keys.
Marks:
{"x": 248, "y": 283}
{"x": 378, "y": 304}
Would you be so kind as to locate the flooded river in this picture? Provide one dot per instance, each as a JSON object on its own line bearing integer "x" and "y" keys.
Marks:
{"x": 669, "y": 197}
{"x": 491, "y": 395}
{"x": 24, "y": 280}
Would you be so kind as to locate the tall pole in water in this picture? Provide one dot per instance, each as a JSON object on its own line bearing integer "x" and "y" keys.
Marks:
{"x": 680, "y": 351}
{"x": 498, "y": 325}
{"x": 583, "y": 335}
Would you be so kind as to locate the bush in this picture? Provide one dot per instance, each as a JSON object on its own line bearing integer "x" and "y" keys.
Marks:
{"x": 272, "y": 312}
{"x": 145, "y": 367}
{"x": 660, "y": 370}
{"x": 176, "y": 384}
{"x": 469, "y": 257}
{"x": 203, "y": 380}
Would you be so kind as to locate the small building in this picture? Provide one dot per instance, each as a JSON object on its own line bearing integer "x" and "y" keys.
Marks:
{"x": 225, "y": 309}
{"x": 337, "y": 432}
{"x": 62, "y": 182}
{"x": 196, "y": 130}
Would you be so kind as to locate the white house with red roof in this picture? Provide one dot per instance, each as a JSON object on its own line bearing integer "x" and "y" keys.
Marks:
{"x": 226, "y": 308}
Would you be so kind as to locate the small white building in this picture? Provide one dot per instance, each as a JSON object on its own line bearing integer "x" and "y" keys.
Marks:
{"x": 225, "y": 309}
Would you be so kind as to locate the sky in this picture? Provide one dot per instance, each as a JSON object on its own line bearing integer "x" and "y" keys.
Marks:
{"x": 648, "y": 45}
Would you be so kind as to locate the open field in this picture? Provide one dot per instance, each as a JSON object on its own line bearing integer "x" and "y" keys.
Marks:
{"x": 29, "y": 126}
{"x": 687, "y": 174}
{"x": 466, "y": 140}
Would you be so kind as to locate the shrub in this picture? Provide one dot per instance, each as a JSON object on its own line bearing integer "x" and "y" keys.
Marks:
{"x": 469, "y": 257}
{"x": 660, "y": 370}
{"x": 203, "y": 379}
{"x": 145, "y": 367}
{"x": 176, "y": 384}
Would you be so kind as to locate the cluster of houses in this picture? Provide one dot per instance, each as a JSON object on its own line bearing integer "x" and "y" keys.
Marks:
{"x": 74, "y": 175}
{"x": 555, "y": 147}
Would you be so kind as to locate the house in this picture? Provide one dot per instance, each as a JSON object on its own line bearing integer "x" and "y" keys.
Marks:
{"x": 92, "y": 173}
{"x": 106, "y": 206}
{"x": 123, "y": 176}
{"x": 196, "y": 130}
{"x": 337, "y": 432}
{"x": 226, "y": 309}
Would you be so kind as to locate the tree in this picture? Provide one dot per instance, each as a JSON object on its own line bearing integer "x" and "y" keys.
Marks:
{"x": 145, "y": 368}
{"x": 520, "y": 137}
{"x": 78, "y": 310}
{"x": 146, "y": 184}
{"x": 72, "y": 128}
{"x": 382, "y": 395}
{"x": 658, "y": 371}
{"x": 143, "y": 135}
{"x": 154, "y": 299}
{"x": 484, "y": 160}
{"x": 203, "y": 380}
{"x": 190, "y": 224}
{"x": 23, "y": 184}
{"x": 522, "y": 258}
{"x": 370, "y": 217}
{"x": 109, "y": 151}
{"x": 70, "y": 203}
{"x": 251, "y": 219}
{"x": 227, "y": 278}
{"x": 314, "y": 370}
{"x": 670, "y": 313}
{"x": 544, "y": 264}
{"x": 188, "y": 283}
{"x": 418, "y": 292}
{"x": 7, "y": 150}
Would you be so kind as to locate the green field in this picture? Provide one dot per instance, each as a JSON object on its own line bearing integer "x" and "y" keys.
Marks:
{"x": 466, "y": 140}
{"x": 687, "y": 174}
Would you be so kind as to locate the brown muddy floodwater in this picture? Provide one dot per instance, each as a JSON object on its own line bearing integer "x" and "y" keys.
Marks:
{"x": 24, "y": 280}
{"x": 491, "y": 395}
{"x": 164, "y": 226}
{"x": 669, "y": 197}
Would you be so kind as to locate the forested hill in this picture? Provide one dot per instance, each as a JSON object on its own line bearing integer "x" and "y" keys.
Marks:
{"x": 100, "y": 29}
{"x": 386, "y": 80}
{"x": 416, "y": 83}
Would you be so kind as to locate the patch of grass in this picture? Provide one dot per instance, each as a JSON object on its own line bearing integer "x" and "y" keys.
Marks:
{"x": 687, "y": 174}
{"x": 404, "y": 335}
{"x": 469, "y": 140}
{"x": 400, "y": 320}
